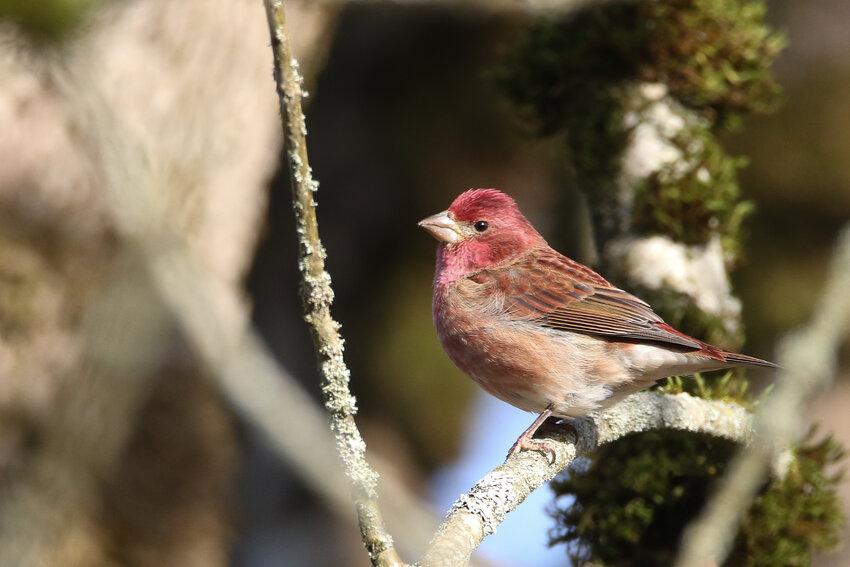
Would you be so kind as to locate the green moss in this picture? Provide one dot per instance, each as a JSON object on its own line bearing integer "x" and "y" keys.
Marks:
{"x": 695, "y": 198}
{"x": 714, "y": 58}
{"x": 797, "y": 515}
{"x": 633, "y": 500}
{"x": 566, "y": 76}
{"x": 558, "y": 69}
{"x": 713, "y": 55}
{"x": 730, "y": 387}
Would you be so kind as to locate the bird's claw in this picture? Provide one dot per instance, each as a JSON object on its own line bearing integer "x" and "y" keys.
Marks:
{"x": 532, "y": 445}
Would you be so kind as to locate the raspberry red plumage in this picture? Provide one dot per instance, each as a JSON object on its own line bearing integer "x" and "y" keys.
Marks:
{"x": 539, "y": 330}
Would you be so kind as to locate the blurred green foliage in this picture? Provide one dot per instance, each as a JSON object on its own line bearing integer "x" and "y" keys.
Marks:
{"x": 410, "y": 369}
{"x": 47, "y": 20}
{"x": 20, "y": 278}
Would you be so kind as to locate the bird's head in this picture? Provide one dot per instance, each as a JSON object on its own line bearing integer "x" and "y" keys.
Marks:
{"x": 481, "y": 228}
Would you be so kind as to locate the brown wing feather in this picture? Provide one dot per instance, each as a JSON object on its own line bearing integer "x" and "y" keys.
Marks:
{"x": 556, "y": 292}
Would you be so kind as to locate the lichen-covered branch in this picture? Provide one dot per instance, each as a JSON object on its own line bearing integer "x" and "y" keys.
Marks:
{"x": 317, "y": 296}
{"x": 476, "y": 515}
{"x": 807, "y": 361}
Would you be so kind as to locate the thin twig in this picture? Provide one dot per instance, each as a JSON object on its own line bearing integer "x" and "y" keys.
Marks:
{"x": 808, "y": 359}
{"x": 317, "y": 296}
{"x": 476, "y": 514}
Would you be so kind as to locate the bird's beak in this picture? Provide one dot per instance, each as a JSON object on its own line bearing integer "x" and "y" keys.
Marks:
{"x": 442, "y": 227}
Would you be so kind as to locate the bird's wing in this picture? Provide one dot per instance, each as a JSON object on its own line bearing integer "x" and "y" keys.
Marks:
{"x": 555, "y": 292}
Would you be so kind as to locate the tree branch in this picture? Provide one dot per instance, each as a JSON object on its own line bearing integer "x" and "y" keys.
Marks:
{"x": 807, "y": 360}
{"x": 317, "y": 296}
{"x": 476, "y": 515}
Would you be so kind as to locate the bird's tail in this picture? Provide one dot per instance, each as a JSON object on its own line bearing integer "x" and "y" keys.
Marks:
{"x": 744, "y": 360}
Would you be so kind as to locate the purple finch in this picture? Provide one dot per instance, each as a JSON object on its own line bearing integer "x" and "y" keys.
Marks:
{"x": 543, "y": 332}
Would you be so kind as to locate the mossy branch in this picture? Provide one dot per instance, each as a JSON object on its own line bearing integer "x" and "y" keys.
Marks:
{"x": 476, "y": 515}
{"x": 807, "y": 361}
{"x": 317, "y": 296}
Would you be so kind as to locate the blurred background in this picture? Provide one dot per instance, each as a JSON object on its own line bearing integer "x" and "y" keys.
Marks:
{"x": 403, "y": 115}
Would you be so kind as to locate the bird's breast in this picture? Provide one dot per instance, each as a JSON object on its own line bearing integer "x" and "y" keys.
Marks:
{"x": 518, "y": 361}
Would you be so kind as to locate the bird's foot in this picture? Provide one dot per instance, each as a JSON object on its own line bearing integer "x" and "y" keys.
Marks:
{"x": 526, "y": 443}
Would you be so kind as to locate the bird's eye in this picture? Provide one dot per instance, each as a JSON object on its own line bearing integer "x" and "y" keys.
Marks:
{"x": 481, "y": 225}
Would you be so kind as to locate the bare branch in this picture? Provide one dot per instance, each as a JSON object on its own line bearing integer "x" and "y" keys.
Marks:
{"x": 476, "y": 515}
{"x": 317, "y": 295}
{"x": 807, "y": 360}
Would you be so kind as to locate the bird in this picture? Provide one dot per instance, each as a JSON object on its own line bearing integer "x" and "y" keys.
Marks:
{"x": 540, "y": 331}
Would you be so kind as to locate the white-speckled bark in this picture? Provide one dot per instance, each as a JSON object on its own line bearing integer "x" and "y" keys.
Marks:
{"x": 477, "y": 514}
